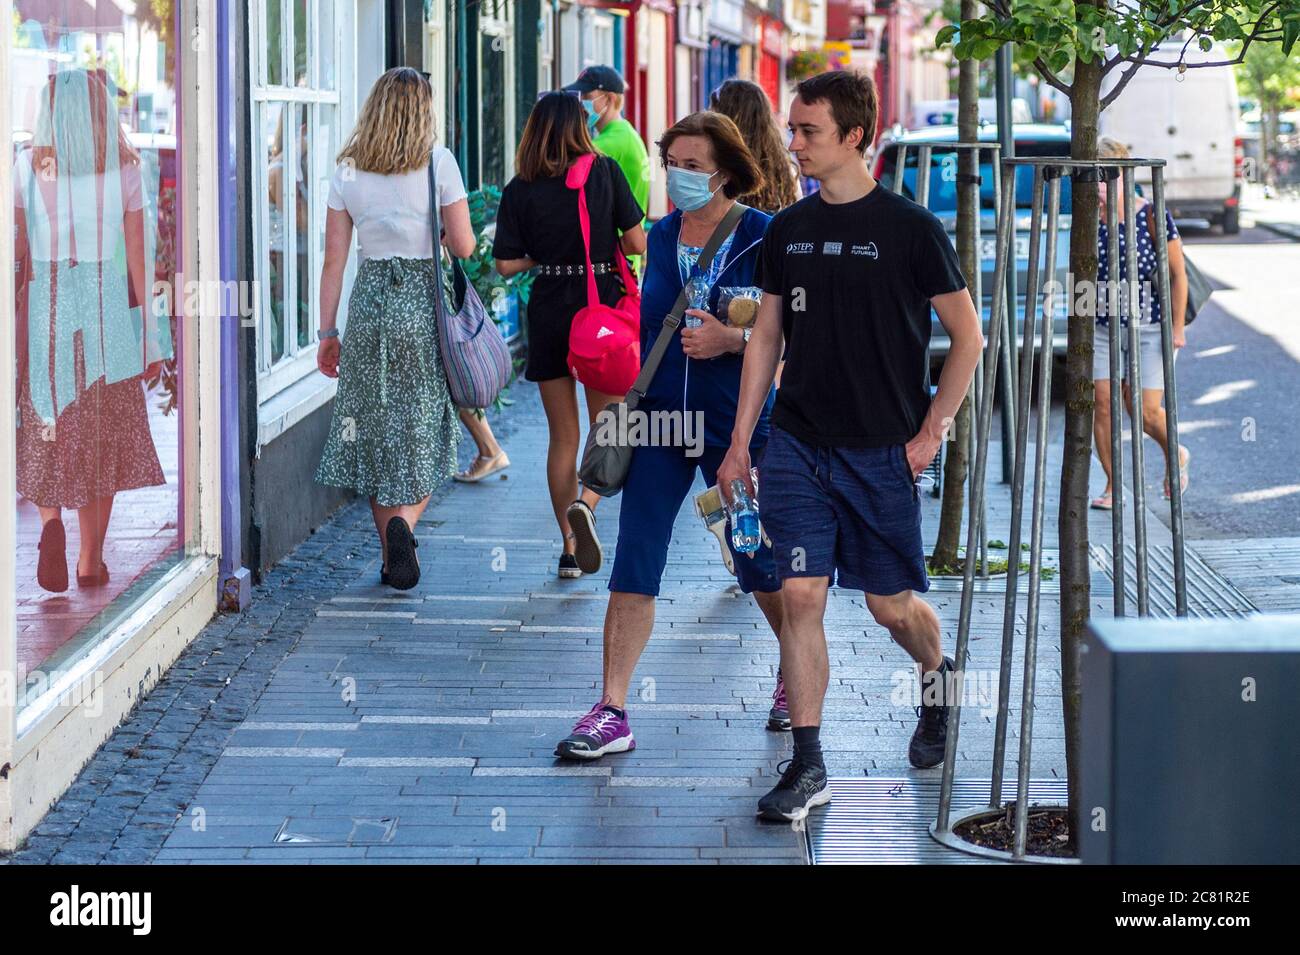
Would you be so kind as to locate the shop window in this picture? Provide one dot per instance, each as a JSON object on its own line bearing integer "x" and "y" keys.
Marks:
{"x": 496, "y": 79}
{"x": 96, "y": 252}
{"x": 295, "y": 126}
{"x": 435, "y": 64}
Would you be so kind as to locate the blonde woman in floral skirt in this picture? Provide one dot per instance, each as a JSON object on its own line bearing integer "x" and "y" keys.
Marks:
{"x": 394, "y": 433}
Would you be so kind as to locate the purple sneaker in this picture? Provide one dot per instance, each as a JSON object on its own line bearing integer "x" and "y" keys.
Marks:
{"x": 778, "y": 717}
{"x": 599, "y": 732}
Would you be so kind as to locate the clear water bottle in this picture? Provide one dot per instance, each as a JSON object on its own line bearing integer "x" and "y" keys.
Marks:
{"x": 746, "y": 536}
{"x": 697, "y": 296}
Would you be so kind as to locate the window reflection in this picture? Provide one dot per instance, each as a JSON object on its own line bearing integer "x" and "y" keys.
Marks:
{"x": 95, "y": 253}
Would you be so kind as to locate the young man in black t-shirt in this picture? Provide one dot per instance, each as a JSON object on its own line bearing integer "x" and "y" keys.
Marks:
{"x": 849, "y": 276}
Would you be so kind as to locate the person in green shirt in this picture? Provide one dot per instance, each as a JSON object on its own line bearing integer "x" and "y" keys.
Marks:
{"x": 602, "y": 89}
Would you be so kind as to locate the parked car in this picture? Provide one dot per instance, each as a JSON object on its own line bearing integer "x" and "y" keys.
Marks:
{"x": 1190, "y": 121}
{"x": 1031, "y": 139}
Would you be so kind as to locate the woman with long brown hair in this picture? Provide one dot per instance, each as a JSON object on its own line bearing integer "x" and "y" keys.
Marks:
{"x": 749, "y": 108}
{"x": 394, "y": 433}
{"x": 537, "y": 228}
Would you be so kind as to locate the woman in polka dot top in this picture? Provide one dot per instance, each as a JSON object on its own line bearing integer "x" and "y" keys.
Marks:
{"x": 1151, "y": 314}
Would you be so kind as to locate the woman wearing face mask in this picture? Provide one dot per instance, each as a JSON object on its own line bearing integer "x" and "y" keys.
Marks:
{"x": 698, "y": 384}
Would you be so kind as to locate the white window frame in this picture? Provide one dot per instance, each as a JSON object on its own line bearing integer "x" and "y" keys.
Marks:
{"x": 297, "y": 362}
{"x": 502, "y": 27}
{"x": 601, "y": 32}
{"x": 435, "y": 64}
{"x": 546, "y": 48}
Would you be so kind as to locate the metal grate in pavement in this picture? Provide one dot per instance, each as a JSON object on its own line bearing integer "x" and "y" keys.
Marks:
{"x": 1209, "y": 593}
{"x": 887, "y": 821}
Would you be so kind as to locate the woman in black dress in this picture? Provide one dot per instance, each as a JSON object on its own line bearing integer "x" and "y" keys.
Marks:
{"x": 537, "y": 227}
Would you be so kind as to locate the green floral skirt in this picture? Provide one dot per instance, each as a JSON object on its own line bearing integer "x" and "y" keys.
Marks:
{"x": 394, "y": 433}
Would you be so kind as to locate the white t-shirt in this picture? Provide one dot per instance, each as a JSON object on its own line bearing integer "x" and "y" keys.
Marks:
{"x": 83, "y": 206}
{"x": 391, "y": 213}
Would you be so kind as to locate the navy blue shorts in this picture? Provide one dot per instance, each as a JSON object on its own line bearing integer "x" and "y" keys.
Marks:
{"x": 657, "y": 484}
{"x": 850, "y": 514}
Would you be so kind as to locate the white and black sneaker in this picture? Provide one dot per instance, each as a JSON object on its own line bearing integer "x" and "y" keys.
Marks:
{"x": 801, "y": 788}
{"x": 569, "y": 567}
{"x": 583, "y": 522}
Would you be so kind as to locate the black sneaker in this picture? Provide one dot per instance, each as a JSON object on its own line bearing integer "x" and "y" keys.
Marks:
{"x": 583, "y": 523}
{"x": 403, "y": 568}
{"x": 801, "y": 788}
{"x": 569, "y": 567}
{"x": 931, "y": 735}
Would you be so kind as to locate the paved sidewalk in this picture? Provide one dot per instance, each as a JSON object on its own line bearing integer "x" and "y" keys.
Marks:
{"x": 1280, "y": 215}
{"x": 337, "y": 720}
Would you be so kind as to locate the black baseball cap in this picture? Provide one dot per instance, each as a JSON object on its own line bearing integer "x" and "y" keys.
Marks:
{"x": 603, "y": 78}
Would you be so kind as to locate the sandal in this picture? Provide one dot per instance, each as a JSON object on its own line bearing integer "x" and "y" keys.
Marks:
{"x": 98, "y": 579}
{"x": 483, "y": 467}
{"x": 1184, "y": 458}
{"x": 1103, "y": 503}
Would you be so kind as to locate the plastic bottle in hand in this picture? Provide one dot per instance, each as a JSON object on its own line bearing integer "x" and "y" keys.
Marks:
{"x": 746, "y": 536}
{"x": 697, "y": 296}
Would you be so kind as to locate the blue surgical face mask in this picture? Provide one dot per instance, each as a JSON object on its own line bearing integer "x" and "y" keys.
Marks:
{"x": 592, "y": 116}
{"x": 689, "y": 190}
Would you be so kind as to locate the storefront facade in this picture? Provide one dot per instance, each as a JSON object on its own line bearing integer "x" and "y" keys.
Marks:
{"x": 111, "y": 376}
{"x": 690, "y": 56}
{"x": 730, "y": 48}
{"x": 301, "y": 71}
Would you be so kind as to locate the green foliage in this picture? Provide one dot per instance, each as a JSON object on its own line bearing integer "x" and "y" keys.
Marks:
{"x": 481, "y": 272}
{"x": 805, "y": 63}
{"x": 1058, "y": 33}
{"x": 479, "y": 268}
{"x": 1269, "y": 76}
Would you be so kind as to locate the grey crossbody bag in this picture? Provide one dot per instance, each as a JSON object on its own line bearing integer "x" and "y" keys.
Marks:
{"x": 605, "y": 462}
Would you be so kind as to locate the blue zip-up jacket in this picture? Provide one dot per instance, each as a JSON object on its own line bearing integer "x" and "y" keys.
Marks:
{"x": 689, "y": 384}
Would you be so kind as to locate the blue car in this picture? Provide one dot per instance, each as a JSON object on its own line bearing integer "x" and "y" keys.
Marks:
{"x": 1032, "y": 140}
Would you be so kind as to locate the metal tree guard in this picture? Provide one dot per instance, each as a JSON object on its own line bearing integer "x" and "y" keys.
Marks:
{"x": 1048, "y": 173}
{"x": 998, "y": 315}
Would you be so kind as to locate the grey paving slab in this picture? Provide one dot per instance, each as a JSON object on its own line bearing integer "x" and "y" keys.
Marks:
{"x": 440, "y": 708}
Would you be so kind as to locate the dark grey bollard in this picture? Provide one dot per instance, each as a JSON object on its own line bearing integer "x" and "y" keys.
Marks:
{"x": 1191, "y": 741}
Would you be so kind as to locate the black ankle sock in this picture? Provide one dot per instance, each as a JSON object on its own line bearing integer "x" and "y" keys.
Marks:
{"x": 807, "y": 744}
{"x": 615, "y": 710}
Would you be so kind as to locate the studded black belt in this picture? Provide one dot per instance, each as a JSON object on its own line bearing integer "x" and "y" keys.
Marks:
{"x": 599, "y": 268}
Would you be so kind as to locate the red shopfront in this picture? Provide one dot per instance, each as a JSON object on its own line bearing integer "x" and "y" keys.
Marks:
{"x": 769, "y": 59}
{"x": 647, "y": 42}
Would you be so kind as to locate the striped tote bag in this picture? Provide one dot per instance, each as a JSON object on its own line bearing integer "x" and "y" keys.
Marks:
{"x": 474, "y": 353}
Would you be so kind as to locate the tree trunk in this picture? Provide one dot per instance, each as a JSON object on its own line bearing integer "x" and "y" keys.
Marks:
{"x": 1072, "y": 518}
{"x": 1269, "y": 120}
{"x": 956, "y": 467}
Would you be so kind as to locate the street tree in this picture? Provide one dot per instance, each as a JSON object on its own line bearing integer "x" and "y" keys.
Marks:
{"x": 1272, "y": 79}
{"x": 1074, "y": 45}
{"x": 956, "y": 465}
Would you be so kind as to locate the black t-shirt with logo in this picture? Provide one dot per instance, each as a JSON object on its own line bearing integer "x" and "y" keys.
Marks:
{"x": 855, "y": 281}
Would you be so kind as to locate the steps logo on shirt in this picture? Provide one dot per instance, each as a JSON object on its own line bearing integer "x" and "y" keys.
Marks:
{"x": 800, "y": 248}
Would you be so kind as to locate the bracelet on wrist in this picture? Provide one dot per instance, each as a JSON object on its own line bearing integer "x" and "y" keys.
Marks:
{"x": 325, "y": 333}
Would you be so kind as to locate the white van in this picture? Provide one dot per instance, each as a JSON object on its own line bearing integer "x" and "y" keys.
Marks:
{"x": 1190, "y": 121}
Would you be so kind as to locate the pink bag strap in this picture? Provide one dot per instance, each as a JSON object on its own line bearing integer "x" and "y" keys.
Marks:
{"x": 576, "y": 178}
